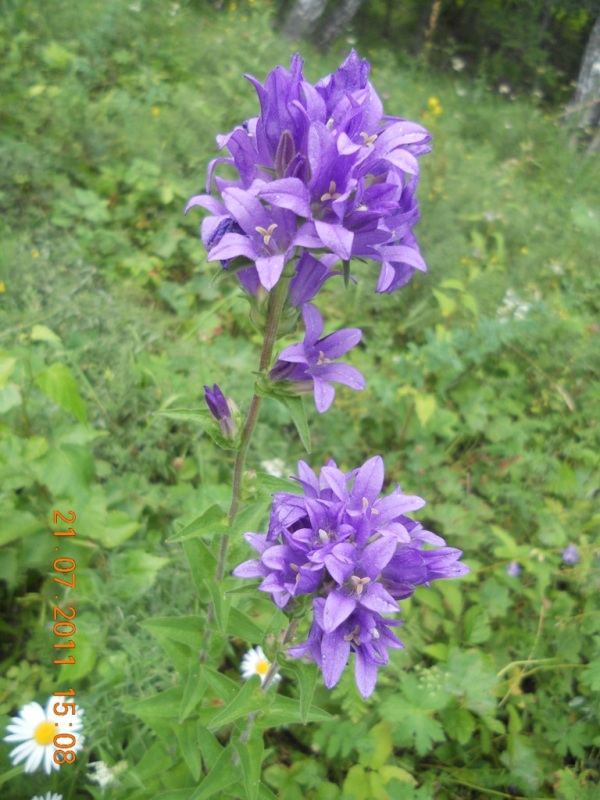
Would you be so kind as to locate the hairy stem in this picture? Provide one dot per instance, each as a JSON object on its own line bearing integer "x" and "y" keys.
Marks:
{"x": 276, "y": 304}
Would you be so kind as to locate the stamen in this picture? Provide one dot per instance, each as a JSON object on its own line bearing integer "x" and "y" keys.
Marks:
{"x": 368, "y": 140}
{"x": 322, "y": 359}
{"x": 353, "y": 637}
{"x": 331, "y": 194}
{"x": 329, "y": 124}
{"x": 323, "y": 535}
{"x": 359, "y": 583}
{"x": 295, "y": 567}
{"x": 266, "y": 233}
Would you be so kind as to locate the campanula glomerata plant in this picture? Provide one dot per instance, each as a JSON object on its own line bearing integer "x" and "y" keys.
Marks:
{"x": 322, "y": 178}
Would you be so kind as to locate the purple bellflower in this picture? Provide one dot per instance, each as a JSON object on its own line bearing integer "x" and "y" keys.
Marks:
{"x": 321, "y": 169}
{"x": 221, "y": 407}
{"x": 570, "y": 555}
{"x": 356, "y": 554}
{"x": 309, "y": 364}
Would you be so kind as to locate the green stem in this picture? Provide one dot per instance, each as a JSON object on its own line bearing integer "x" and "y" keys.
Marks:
{"x": 276, "y": 304}
{"x": 287, "y": 637}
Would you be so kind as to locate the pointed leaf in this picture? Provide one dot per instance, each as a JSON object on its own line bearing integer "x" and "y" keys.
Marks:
{"x": 306, "y": 678}
{"x": 187, "y": 737}
{"x": 59, "y": 384}
{"x": 296, "y": 408}
{"x": 286, "y": 710}
{"x": 248, "y": 699}
{"x": 221, "y": 775}
{"x": 213, "y": 520}
{"x": 240, "y": 625}
{"x": 221, "y": 602}
{"x": 202, "y": 562}
{"x": 193, "y": 692}
{"x": 251, "y": 755}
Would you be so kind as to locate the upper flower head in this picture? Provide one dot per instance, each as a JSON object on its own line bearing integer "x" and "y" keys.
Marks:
{"x": 35, "y": 728}
{"x": 321, "y": 169}
{"x": 356, "y": 553}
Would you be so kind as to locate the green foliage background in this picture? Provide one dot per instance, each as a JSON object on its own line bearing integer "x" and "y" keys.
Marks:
{"x": 482, "y": 397}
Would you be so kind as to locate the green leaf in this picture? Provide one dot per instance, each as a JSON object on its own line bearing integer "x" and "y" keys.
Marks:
{"x": 59, "y": 384}
{"x": 193, "y": 691}
{"x": 272, "y": 484}
{"x": 377, "y": 746}
{"x": 425, "y": 405}
{"x": 251, "y": 753}
{"x": 477, "y": 625}
{"x": 249, "y": 698}
{"x": 240, "y": 625}
{"x": 221, "y": 602}
{"x": 10, "y": 397}
{"x": 220, "y": 776}
{"x": 187, "y": 737}
{"x": 591, "y": 675}
{"x": 7, "y": 364}
{"x": 305, "y": 677}
{"x": 40, "y": 333}
{"x": 286, "y": 710}
{"x": 458, "y": 723}
{"x": 186, "y": 629}
{"x": 200, "y": 416}
{"x": 413, "y": 724}
{"x": 135, "y": 571}
{"x": 213, "y": 520}
{"x": 162, "y": 705}
{"x": 295, "y": 406}
{"x": 469, "y": 676}
{"x": 18, "y": 524}
{"x": 357, "y": 785}
{"x": 179, "y": 637}
{"x": 223, "y": 687}
{"x": 68, "y": 472}
{"x": 202, "y": 562}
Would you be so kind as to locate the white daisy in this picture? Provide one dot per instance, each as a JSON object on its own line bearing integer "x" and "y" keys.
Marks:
{"x": 48, "y": 796}
{"x": 35, "y": 729}
{"x": 256, "y": 663}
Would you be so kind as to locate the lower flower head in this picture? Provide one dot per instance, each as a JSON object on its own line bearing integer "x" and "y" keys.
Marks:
{"x": 35, "y": 729}
{"x": 356, "y": 554}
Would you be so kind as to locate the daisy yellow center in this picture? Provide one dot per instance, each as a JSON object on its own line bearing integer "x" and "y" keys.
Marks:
{"x": 44, "y": 733}
{"x": 262, "y": 666}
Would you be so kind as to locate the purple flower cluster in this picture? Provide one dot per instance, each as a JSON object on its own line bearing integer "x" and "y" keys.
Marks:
{"x": 356, "y": 554}
{"x": 323, "y": 176}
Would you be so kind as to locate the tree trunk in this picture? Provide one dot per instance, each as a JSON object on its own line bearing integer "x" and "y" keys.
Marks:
{"x": 302, "y": 18}
{"x": 342, "y": 17}
{"x": 585, "y": 107}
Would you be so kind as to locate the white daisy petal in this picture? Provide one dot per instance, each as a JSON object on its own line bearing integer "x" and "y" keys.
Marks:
{"x": 34, "y": 729}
